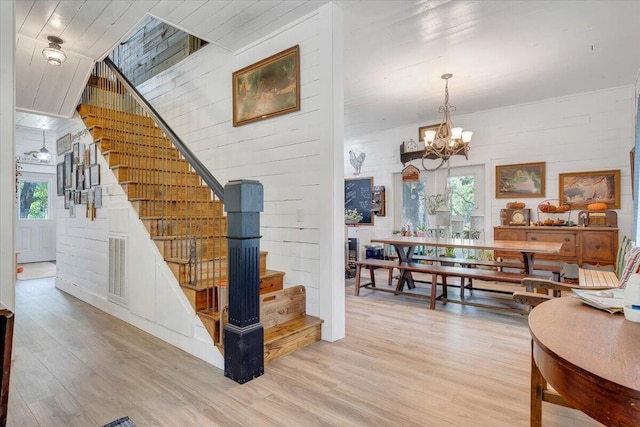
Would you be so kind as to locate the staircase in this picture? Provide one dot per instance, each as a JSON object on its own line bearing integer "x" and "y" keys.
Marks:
{"x": 182, "y": 215}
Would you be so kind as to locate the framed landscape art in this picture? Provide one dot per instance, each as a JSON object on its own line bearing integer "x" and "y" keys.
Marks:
{"x": 267, "y": 88}
{"x": 579, "y": 189}
{"x": 520, "y": 180}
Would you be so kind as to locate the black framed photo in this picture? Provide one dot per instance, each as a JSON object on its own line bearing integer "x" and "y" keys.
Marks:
{"x": 68, "y": 198}
{"x": 78, "y": 153}
{"x": 93, "y": 154}
{"x": 68, "y": 170}
{"x": 87, "y": 178}
{"x": 63, "y": 144}
{"x": 60, "y": 178}
{"x": 95, "y": 175}
{"x": 97, "y": 197}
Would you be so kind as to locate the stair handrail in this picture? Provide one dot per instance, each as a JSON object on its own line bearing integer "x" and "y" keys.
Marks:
{"x": 197, "y": 165}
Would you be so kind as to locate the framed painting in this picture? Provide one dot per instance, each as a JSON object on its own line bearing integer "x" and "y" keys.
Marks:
{"x": 93, "y": 154}
{"x": 63, "y": 144}
{"x": 68, "y": 170}
{"x": 60, "y": 178}
{"x": 95, "y": 175}
{"x": 520, "y": 180}
{"x": 579, "y": 189}
{"x": 67, "y": 199}
{"x": 421, "y": 131}
{"x": 87, "y": 178}
{"x": 267, "y": 88}
{"x": 78, "y": 153}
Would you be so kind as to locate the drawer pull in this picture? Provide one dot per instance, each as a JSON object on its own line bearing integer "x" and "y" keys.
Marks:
{"x": 534, "y": 238}
{"x": 566, "y": 239}
{"x": 598, "y": 246}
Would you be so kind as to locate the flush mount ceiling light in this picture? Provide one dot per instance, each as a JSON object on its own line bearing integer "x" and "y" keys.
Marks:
{"x": 54, "y": 54}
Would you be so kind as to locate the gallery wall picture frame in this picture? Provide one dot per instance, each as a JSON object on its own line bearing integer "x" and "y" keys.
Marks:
{"x": 67, "y": 198}
{"x": 97, "y": 197}
{"x": 95, "y": 175}
{"x": 63, "y": 144}
{"x": 83, "y": 197}
{"x": 579, "y": 189}
{"x": 520, "y": 180}
{"x": 93, "y": 154}
{"x": 268, "y": 88}
{"x": 60, "y": 178}
{"x": 87, "y": 178}
{"x": 68, "y": 170}
{"x": 78, "y": 153}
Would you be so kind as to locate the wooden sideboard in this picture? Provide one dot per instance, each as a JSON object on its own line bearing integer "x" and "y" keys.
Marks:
{"x": 580, "y": 245}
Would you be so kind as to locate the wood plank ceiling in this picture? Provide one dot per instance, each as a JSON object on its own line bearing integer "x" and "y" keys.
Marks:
{"x": 500, "y": 52}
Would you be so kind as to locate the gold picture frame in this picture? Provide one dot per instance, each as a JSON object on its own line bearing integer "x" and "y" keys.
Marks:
{"x": 423, "y": 129}
{"x": 267, "y": 88}
{"x": 520, "y": 180}
{"x": 579, "y": 189}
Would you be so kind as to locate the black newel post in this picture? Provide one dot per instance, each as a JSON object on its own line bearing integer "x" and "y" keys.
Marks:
{"x": 243, "y": 334}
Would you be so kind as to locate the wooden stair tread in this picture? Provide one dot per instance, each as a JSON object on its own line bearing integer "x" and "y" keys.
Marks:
{"x": 290, "y": 327}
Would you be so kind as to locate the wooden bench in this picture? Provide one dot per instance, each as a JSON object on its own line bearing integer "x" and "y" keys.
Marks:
{"x": 435, "y": 270}
{"x": 600, "y": 279}
{"x": 499, "y": 264}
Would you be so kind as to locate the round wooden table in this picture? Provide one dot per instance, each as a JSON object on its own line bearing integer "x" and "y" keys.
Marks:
{"x": 590, "y": 357}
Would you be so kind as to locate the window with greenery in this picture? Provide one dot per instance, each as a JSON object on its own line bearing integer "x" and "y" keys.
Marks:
{"x": 462, "y": 197}
{"x": 34, "y": 200}
{"x": 414, "y": 205}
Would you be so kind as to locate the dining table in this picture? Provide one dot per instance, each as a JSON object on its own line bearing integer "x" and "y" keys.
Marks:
{"x": 405, "y": 248}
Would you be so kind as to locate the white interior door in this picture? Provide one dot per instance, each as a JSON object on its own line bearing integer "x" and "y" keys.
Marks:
{"x": 35, "y": 225}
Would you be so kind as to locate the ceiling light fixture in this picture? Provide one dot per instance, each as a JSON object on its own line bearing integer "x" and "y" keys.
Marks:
{"x": 54, "y": 54}
{"x": 43, "y": 155}
{"x": 447, "y": 141}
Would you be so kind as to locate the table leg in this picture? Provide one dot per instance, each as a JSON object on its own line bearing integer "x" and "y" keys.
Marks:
{"x": 538, "y": 384}
{"x": 527, "y": 257}
{"x": 405, "y": 275}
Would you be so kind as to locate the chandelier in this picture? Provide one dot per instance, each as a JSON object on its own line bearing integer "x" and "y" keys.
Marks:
{"x": 54, "y": 54}
{"x": 447, "y": 140}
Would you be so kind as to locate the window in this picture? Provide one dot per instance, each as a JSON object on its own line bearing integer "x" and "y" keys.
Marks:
{"x": 413, "y": 205}
{"x": 33, "y": 200}
{"x": 466, "y": 186}
{"x": 463, "y": 198}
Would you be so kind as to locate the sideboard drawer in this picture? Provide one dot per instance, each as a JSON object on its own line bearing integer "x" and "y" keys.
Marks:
{"x": 568, "y": 240}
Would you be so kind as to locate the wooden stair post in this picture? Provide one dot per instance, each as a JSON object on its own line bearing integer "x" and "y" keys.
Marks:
{"x": 243, "y": 334}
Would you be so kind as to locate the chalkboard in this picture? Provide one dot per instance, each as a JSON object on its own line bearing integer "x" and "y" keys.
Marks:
{"x": 357, "y": 195}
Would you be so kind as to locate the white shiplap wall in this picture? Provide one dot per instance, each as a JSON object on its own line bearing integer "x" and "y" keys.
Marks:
{"x": 155, "y": 303}
{"x": 291, "y": 155}
{"x": 583, "y": 132}
{"x": 7, "y": 147}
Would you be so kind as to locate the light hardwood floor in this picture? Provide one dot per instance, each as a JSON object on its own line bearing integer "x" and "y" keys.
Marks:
{"x": 399, "y": 365}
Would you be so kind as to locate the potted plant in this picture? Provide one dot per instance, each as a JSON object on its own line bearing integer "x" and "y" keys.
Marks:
{"x": 433, "y": 203}
{"x": 352, "y": 216}
{"x": 421, "y": 231}
{"x": 449, "y": 252}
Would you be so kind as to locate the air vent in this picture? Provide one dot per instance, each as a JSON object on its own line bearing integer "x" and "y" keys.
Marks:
{"x": 117, "y": 270}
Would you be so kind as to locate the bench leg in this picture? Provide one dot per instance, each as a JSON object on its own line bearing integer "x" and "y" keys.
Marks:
{"x": 470, "y": 286}
{"x": 462, "y": 288}
{"x": 434, "y": 290}
{"x": 357, "y": 290}
{"x": 390, "y": 280}
{"x": 372, "y": 274}
{"x": 444, "y": 290}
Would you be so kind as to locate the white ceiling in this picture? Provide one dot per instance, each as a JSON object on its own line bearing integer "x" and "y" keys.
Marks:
{"x": 500, "y": 52}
